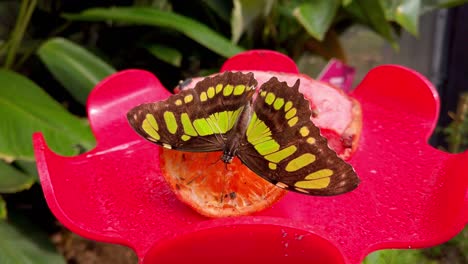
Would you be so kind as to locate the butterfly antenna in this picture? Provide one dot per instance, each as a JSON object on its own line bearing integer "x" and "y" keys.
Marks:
{"x": 215, "y": 162}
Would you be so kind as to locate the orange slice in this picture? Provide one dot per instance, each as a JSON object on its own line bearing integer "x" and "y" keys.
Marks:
{"x": 216, "y": 189}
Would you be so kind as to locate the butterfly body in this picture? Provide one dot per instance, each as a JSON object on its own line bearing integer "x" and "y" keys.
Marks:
{"x": 268, "y": 129}
{"x": 234, "y": 142}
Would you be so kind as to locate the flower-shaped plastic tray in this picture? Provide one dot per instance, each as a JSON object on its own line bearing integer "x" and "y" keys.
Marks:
{"x": 411, "y": 194}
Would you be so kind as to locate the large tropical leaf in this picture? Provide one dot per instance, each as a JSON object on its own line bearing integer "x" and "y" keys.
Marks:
{"x": 25, "y": 108}
{"x": 397, "y": 256}
{"x": 23, "y": 242}
{"x": 404, "y": 12}
{"x": 165, "y": 53}
{"x": 3, "y": 210}
{"x": 12, "y": 180}
{"x": 28, "y": 167}
{"x": 316, "y": 16}
{"x": 153, "y": 17}
{"x": 244, "y": 14}
{"x": 77, "y": 69}
{"x": 372, "y": 13}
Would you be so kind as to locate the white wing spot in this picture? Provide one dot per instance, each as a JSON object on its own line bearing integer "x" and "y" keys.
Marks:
{"x": 301, "y": 190}
{"x": 282, "y": 185}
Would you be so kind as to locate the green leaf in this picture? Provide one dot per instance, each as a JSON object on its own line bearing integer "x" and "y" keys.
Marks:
{"x": 404, "y": 12}
{"x": 12, "y": 180}
{"x": 25, "y": 243}
{"x": 221, "y": 8}
{"x": 3, "y": 209}
{"x": 393, "y": 256}
{"x": 165, "y": 53}
{"x": 317, "y": 16}
{"x": 28, "y": 167}
{"x": 244, "y": 14}
{"x": 153, "y": 17}
{"x": 407, "y": 15}
{"x": 25, "y": 108}
{"x": 77, "y": 69}
{"x": 372, "y": 13}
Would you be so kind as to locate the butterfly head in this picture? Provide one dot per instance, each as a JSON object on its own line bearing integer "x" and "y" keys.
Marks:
{"x": 227, "y": 157}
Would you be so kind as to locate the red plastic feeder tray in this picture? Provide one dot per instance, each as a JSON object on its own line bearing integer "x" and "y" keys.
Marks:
{"x": 411, "y": 194}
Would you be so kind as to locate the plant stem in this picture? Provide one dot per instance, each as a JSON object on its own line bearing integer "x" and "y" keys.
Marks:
{"x": 26, "y": 10}
{"x": 3, "y": 47}
{"x": 460, "y": 117}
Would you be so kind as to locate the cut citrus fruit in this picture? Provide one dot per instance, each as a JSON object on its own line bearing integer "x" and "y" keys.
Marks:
{"x": 216, "y": 189}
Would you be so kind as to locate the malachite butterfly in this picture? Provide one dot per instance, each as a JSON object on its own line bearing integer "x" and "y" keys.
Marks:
{"x": 269, "y": 129}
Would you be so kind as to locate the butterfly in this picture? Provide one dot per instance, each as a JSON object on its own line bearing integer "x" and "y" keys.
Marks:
{"x": 268, "y": 128}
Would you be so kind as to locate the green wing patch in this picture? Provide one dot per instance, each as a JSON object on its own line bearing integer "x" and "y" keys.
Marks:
{"x": 282, "y": 145}
{"x": 196, "y": 119}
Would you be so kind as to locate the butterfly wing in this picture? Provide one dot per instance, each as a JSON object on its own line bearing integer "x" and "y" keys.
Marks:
{"x": 282, "y": 145}
{"x": 195, "y": 119}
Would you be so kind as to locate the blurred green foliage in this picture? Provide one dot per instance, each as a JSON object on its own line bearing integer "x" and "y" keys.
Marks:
{"x": 54, "y": 52}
